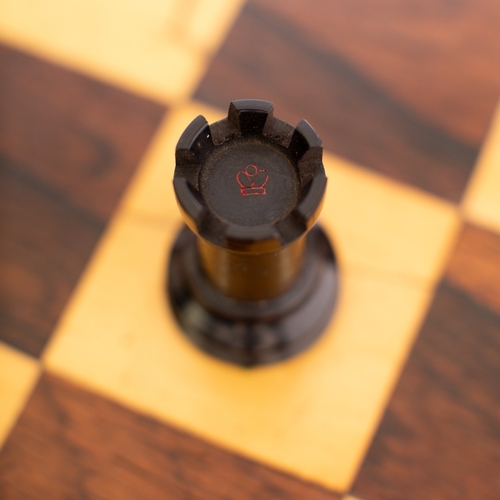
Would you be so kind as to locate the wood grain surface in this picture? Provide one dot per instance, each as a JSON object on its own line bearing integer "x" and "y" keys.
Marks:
{"x": 68, "y": 146}
{"x": 440, "y": 436}
{"x": 398, "y": 100}
{"x": 475, "y": 266}
{"x": 44, "y": 245}
{"x": 438, "y": 57}
{"x": 70, "y": 443}
{"x": 406, "y": 89}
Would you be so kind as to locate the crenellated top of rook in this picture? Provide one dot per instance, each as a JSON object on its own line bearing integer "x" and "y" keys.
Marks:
{"x": 249, "y": 182}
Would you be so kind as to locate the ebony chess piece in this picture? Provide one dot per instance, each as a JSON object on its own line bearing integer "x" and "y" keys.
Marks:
{"x": 251, "y": 279}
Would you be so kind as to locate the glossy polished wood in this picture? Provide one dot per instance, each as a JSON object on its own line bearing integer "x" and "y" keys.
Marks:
{"x": 241, "y": 275}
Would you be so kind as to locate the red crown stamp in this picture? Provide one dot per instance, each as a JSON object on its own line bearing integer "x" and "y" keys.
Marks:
{"x": 252, "y": 181}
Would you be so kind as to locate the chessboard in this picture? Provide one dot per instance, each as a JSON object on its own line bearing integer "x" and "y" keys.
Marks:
{"x": 101, "y": 395}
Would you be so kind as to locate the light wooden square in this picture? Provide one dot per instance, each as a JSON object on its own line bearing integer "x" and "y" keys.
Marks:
{"x": 18, "y": 375}
{"x": 312, "y": 416}
{"x": 481, "y": 203}
{"x": 156, "y": 48}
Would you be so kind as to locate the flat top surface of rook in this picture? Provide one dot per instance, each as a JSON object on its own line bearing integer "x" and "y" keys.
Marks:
{"x": 250, "y": 182}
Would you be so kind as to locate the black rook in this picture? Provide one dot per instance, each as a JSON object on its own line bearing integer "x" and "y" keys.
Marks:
{"x": 251, "y": 281}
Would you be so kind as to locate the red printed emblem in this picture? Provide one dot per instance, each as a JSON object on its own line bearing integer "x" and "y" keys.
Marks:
{"x": 252, "y": 181}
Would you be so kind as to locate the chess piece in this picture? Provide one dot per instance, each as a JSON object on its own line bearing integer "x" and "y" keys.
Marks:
{"x": 251, "y": 279}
